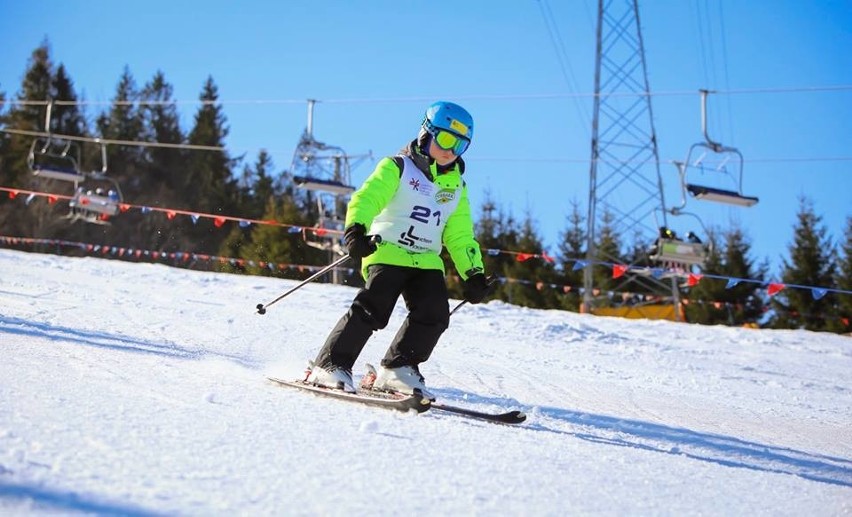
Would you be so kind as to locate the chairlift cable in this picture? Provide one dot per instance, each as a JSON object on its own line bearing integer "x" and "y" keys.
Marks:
{"x": 107, "y": 141}
{"x": 496, "y": 97}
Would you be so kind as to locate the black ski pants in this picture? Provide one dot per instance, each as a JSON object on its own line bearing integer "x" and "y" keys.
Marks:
{"x": 427, "y": 300}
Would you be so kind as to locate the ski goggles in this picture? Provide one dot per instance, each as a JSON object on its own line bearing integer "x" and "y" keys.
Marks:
{"x": 450, "y": 141}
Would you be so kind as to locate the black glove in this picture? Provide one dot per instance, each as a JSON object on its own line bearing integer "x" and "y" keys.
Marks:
{"x": 476, "y": 288}
{"x": 357, "y": 243}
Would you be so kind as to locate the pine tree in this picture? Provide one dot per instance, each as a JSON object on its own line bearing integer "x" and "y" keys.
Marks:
{"x": 712, "y": 301}
{"x": 705, "y": 304}
{"x": 162, "y": 181}
{"x": 42, "y": 82}
{"x": 811, "y": 263}
{"x": 161, "y": 124}
{"x": 496, "y": 231}
{"x": 271, "y": 245}
{"x": 26, "y": 117}
{"x": 67, "y": 118}
{"x": 126, "y": 164}
{"x": 124, "y": 121}
{"x": 571, "y": 250}
{"x": 532, "y": 277}
{"x": 5, "y": 141}
{"x": 844, "y": 282}
{"x": 257, "y": 186}
{"x": 209, "y": 185}
{"x": 608, "y": 251}
{"x": 256, "y": 191}
{"x": 209, "y": 181}
{"x": 746, "y": 302}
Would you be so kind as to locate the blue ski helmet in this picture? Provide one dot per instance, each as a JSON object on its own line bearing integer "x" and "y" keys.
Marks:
{"x": 450, "y": 117}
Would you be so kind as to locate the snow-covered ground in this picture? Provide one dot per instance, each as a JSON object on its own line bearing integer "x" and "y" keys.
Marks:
{"x": 139, "y": 389}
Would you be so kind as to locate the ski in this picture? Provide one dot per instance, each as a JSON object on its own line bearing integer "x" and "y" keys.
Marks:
{"x": 509, "y": 417}
{"x": 398, "y": 402}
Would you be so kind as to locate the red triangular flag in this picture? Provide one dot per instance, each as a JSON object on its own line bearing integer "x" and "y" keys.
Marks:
{"x": 693, "y": 279}
{"x": 523, "y": 257}
{"x": 774, "y": 289}
{"x": 171, "y": 214}
{"x": 618, "y": 270}
{"x": 218, "y": 222}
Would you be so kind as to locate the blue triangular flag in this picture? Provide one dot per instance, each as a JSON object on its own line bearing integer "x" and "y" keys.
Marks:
{"x": 195, "y": 218}
{"x": 580, "y": 264}
{"x": 818, "y": 292}
{"x": 245, "y": 224}
{"x": 732, "y": 282}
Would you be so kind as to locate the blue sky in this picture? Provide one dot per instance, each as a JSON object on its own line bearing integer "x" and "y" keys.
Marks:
{"x": 375, "y": 65}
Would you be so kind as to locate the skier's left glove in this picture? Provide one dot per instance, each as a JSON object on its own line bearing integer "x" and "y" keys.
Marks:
{"x": 476, "y": 288}
{"x": 357, "y": 243}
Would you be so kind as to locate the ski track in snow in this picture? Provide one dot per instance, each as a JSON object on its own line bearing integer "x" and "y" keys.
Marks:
{"x": 138, "y": 389}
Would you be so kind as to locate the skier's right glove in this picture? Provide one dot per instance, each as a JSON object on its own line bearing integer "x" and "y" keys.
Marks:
{"x": 357, "y": 243}
{"x": 476, "y": 288}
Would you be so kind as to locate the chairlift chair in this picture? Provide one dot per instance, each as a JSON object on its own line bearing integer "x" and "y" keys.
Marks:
{"x": 717, "y": 159}
{"x": 328, "y": 219}
{"x": 323, "y": 185}
{"x": 99, "y": 197}
{"x": 55, "y": 159}
{"x": 674, "y": 252}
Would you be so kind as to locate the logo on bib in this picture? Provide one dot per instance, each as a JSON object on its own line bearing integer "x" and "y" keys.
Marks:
{"x": 445, "y": 196}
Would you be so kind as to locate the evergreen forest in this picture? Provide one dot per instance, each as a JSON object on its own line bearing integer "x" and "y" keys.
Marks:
{"x": 256, "y": 220}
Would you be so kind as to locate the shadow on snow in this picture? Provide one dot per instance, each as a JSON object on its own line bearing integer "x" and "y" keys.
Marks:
{"x": 108, "y": 341}
{"x": 45, "y": 499}
{"x": 723, "y": 450}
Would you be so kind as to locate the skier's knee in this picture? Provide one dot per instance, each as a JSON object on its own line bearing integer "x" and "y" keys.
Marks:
{"x": 369, "y": 316}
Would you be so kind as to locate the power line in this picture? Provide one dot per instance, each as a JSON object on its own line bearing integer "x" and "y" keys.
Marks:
{"x": 380, "y": 100}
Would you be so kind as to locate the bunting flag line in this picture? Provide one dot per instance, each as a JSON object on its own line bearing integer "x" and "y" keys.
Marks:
{"x": 618, "y": 270}
{"x": 183, "y": 258}
{"x": 175, "y": 256}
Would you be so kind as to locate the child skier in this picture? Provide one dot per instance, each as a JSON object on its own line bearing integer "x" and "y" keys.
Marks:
{"x": 417, "y": 203}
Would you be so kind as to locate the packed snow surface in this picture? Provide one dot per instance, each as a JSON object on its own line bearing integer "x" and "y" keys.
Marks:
{"x": 140, "y": 389}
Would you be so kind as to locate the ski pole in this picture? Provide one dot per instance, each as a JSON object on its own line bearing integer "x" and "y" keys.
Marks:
{"x": 261, "y": 308}
{"x": 491, "y": 280}
{"x": 457, "y": 307}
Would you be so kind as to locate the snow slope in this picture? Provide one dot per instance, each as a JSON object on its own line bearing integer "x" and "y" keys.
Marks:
{"x": 139, "y": 389}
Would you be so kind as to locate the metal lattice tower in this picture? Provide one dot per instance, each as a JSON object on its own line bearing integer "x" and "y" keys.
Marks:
{"x": 625, "y": 179}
